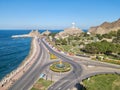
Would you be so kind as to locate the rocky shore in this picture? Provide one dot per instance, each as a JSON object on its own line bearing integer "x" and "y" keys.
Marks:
{"x": 9, "y": 79}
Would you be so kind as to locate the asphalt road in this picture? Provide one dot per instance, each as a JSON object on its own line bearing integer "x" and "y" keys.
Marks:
{"x": 73, "y": 75}
{"x": 77, "y": 75}
{"x": 29, "y": 77}
{"x": 68, "y": 81}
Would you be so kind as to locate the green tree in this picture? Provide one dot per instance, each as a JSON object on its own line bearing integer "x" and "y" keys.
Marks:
{"x": 102, "y": 47}
{"x": 117, "y": 39}
{"x": 108, "y": 36}
{"x": 76, "y": 38}
{"x": 57, "y": 42}
{"x": 113, "y": 33}
{"x": 85, "y": 34}
{"x": 118, "y": 33}
{"x": 64, "y": 42}
{"x": 52, "y": 34}
{"x": 100, "y": 37}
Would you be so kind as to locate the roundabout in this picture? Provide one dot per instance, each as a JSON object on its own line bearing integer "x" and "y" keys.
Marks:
{"x": 60, "y": 67}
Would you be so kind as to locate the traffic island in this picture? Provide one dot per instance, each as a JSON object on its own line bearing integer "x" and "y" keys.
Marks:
{"x": 60, "y": 67}
{"x": 52, "y": 57}
{"x": 41, "y": 84}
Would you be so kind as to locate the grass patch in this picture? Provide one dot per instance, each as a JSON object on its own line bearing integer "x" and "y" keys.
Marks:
{"x": 52, "y": 56}
{"x": 41, "y": 84}
{"x": 112, "y": 61}
{"x": 103, "y": 82}
{"x": 34, "y": 89}
{"x": 66, "y": 47}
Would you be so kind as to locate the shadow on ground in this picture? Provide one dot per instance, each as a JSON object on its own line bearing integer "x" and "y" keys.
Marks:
{"x": 78, "y": 86}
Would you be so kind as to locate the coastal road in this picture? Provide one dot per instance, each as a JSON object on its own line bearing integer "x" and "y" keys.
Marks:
{"x": 73, "y": 75}
{"x": 77, "y": 74}
{"x": 79, "y": 70}
{"x": 30, "y": 76}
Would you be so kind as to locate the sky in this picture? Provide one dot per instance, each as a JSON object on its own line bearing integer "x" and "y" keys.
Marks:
{"x": 56, "y": 14}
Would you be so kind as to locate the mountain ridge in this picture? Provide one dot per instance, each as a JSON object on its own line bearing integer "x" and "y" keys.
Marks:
{"x": 105, "y": 27}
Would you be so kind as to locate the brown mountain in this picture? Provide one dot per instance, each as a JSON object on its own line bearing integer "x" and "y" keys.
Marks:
{"x": 106, "y": 27}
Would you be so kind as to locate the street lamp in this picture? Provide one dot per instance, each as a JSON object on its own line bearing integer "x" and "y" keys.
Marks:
{"x": 51, "y": 77}
{"x": 46, "y": 75}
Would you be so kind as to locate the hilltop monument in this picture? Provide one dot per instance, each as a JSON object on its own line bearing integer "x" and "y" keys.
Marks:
{"x": 69, "y": 31}
{"x": 73, "y": 25}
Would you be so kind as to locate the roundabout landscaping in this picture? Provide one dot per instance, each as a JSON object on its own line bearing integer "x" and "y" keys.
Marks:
{"x": 60, "y": 67}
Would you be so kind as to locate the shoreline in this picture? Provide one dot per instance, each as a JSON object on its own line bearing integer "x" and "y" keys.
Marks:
{"x": 14, "y": 75}
{"x": 30, "y": 52}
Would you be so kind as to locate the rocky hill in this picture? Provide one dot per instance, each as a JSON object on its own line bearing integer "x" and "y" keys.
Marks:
{"x": 46, "y": 33}
{"x": 106, "y": 27}
{"x": 69, "y": 31}
{"x": 34, "y": 33}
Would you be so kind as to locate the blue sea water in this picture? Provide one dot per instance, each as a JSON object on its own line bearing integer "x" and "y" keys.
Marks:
{"x": 13, "y": 50}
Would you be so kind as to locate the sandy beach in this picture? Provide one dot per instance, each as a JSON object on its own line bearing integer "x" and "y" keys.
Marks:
{"x": 9, "y": 79}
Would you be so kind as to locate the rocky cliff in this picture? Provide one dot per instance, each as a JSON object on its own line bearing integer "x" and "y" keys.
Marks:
{"x": 69, "y": 31}
{"x": 106, "y": 27}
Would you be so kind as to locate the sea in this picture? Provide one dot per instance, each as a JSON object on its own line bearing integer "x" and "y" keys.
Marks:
{"x": 14, "y": 50}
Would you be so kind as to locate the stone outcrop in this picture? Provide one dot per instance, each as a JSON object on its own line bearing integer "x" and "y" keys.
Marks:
{"x": 46, "y": 33}
{"x": 106, "y": 27}
{"x": 69, "y": 31}
{"x": 34, "y": 33}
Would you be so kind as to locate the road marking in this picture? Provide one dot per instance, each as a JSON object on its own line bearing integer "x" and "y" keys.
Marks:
{"x": 59, "y": 88}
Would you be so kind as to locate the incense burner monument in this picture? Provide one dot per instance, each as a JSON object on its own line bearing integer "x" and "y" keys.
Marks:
{"x": 60, "y": 66}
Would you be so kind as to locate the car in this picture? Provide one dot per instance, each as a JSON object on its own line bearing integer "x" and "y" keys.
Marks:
{"x": 42, "y": 75}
